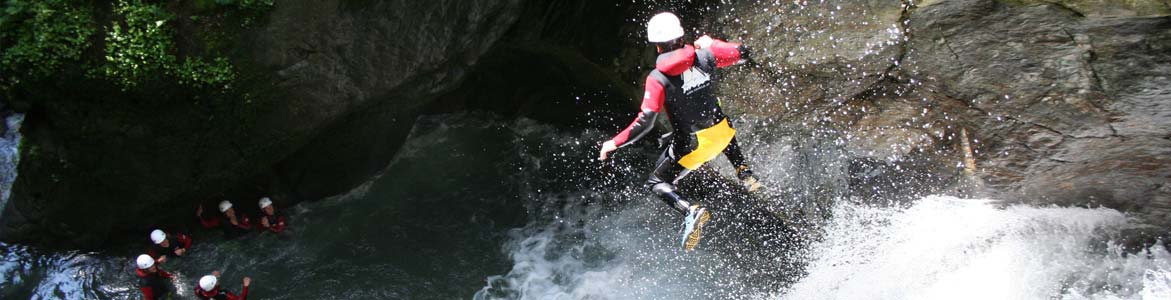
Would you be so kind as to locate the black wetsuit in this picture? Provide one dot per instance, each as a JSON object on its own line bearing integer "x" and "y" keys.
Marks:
{"x": 683, "y": 84}
{"x": 155, "y": 285}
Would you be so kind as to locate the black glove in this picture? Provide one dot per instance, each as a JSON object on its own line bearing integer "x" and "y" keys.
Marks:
{"x": 745, "y": 52}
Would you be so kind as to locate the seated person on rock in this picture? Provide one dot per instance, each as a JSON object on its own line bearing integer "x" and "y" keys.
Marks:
{"x": 234, "y": 226}
{"x": 163, "y": 245}
{"x": 209, "y": 288}
{"x": 270, "y": 220}
{"x": 152, "y": 281}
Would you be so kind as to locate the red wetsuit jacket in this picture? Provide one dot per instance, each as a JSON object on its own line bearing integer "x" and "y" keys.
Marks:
{"x": 220, "y": 294}
{"x": 242, "y": 227}
{"x": 154, "y": 285}
{"x": 209, "y": 222}
{"x": 181, "y": 241}
{"x": 682, "y": 80}
{"x": 276, "y": 223}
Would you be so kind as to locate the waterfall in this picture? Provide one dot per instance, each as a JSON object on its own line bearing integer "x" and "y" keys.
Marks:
{"x": 9, "y": 155}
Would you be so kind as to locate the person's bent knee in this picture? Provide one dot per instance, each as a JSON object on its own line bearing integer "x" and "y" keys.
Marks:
{"x": 663, "y": 188}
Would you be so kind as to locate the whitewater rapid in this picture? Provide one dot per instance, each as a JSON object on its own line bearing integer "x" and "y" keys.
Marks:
{"x": 938, "y": 247}
{"x": 949, "y": 248}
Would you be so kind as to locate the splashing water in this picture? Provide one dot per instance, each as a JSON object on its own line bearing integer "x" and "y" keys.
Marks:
{"x": 948, "y": 248}
{"x": 452, "y": 211}
{"x": 938, "y": 248}
{"x": 932, "y": 248}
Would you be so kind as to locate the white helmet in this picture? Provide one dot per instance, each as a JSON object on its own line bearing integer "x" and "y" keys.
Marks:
{"x": 157, "y": 236}
{"x": 264, "y": 202}
{"x": 207, "y": 283}
{"x": 225, "y": 205}
{"x": 663, "y": 27}
{"x": 145, "y": 261}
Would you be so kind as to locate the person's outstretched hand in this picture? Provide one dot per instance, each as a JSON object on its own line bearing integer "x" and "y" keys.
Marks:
{"x": 247, "y": 281}
{"x": 703, "y": 42}
{"x": 607, "y": 147}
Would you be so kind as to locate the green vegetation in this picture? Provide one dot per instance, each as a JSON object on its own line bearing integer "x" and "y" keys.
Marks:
{"x": 140, "y": 43}
{"x": 139, "y": 48}
{"x": 38, "y": 37}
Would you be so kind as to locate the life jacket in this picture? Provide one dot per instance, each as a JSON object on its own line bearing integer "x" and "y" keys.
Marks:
{"x": 274, "y": 222}
{"x": 688, "y": 79}
{"x": 233, "y": 231}
{"x": 158, "y": 283}
{"x": 219, "y": 294}
{"x": 181, "y": 241}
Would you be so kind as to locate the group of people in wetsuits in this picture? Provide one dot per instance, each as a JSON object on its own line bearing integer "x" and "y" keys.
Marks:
{"x": 155, "y": 283}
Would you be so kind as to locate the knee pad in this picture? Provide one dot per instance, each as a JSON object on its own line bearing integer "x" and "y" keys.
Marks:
{"x": 662, "y": 188}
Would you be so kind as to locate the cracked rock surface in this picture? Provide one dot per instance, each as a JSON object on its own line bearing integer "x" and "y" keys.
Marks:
{"x": 1071, "y": 109}
{"x": 1066, "y": 102}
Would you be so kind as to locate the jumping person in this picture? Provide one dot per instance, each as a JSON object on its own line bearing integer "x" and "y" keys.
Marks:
{"x": 269, "y": 219}
{"x": 209, "y": 289}
{"x": 152, "y": 281}
{"x": 163, "y": 245}
{"x": 683, "y": 85}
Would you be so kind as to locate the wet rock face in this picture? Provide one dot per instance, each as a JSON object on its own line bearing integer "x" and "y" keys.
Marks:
{"x": 1108, "y": 8}
{"x": 364, "y": 51}
{"x": 827, "y": 51}
{"x": 335, "y": 86}
{"x": 1071, "y": 109}
{"x": 333, "y": 89}
{"x": 360, "y": 72}
{"x": 1064, "y": 101}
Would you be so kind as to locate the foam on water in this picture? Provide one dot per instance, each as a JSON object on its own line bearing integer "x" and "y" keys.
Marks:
{"x": 949, "y": 248}
{"x": 938, "y": 248}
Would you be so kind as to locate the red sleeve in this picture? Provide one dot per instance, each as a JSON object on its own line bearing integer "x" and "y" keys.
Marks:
{"x": 242, "y": 296}
{"x": 652, "y": 104}
{"x": 209, "y": 222}
{"x": 245, "y": 223}
{"x": 147, "y": 293}
{"x": 185, "y": 240}
{"x": 726, "y": 53}
{"x": 279, "y": 226}
{"x": 165, "y": 274}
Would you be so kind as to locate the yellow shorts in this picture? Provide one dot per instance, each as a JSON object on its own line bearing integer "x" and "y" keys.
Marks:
{"x": 712, "y": 141}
